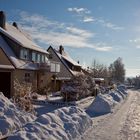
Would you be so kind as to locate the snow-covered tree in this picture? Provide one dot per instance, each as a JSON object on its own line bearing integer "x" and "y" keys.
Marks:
{"x": 78, "y": 87}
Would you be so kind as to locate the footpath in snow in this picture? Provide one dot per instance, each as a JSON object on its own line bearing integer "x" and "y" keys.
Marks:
{"x": 122, "y": 124}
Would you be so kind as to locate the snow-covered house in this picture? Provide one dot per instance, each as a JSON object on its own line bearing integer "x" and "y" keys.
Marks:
{"x": 20, "y": 59}
{"x": 69, "y": 67}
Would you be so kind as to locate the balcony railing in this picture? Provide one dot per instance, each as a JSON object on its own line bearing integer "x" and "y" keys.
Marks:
{"x": 50, "y": 66}
{"x": 44, "y": 66}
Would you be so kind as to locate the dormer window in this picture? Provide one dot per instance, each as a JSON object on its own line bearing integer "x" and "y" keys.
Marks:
{"x": 38, "y": 58}
{"x": 33, "y": 56}
{"x": 42, "y": 58}
{"x": 24, "y": 54}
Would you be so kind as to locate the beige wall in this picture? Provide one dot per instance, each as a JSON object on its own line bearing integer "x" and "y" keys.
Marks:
{"x": 19, "y": 75}
{"x": 3, "y": 58}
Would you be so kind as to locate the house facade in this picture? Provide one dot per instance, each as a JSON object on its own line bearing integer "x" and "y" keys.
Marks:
{"x": 68, "y": 67}
{"x": 21, "y": 59}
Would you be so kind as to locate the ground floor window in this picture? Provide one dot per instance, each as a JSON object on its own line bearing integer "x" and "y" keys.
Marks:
{"x": 27, "y": 77}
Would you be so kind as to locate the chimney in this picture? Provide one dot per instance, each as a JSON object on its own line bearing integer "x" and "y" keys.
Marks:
{"x": 15, "y": 25}
{"x": 78, "y": 62}
{"x": 61, "y": 49}
{"x": 2, "y": 20}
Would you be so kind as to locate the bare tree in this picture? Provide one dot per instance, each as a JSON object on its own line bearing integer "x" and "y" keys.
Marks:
{"x": 99, "y": 70}
{"x": 117, "y": 71}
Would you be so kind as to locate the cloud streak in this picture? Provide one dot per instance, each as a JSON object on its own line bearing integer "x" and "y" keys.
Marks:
{"x": 55, "y": 33}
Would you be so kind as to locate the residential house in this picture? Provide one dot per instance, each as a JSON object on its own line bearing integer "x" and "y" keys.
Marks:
{"x": 21, "y": 59}
{"x": 69, "y": 67}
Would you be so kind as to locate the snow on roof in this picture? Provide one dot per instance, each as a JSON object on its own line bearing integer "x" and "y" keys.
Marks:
{"x": 21, "y": 38}
{"x": 20, "y": 64}
{"x": 98, "y": 79}
{"x": 6, "y": 67}
{"x": 65, "y": 56}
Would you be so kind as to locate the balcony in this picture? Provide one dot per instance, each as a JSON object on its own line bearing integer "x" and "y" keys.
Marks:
{"x": 50, "y": 66}
{"x": 44, "y": 66}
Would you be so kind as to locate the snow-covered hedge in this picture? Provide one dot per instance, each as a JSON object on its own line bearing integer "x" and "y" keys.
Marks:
{"x": 101, "y": 105}
{"x": 66, "y": 123}
{"x": 11, "y": 118}
{"x": 104, "y": 103}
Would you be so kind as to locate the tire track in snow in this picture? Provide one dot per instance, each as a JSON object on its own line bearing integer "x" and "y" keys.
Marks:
{"x": 131, "y": 127}
{"x": 110, "y": 127}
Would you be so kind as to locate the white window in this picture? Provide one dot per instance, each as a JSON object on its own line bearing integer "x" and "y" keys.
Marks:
{"x": 43, "y": 58}
{"x": 57, "y": 66}
{"x": 46, "y": 59}
{"x": 52, "y": 67}
{"x": 24, "y": 54}
{"x": 33, "y": 56}
{"x": 38, "y": 58}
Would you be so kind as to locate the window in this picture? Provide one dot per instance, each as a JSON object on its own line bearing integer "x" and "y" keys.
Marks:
{"x": 24, "y": 54}
{"x": 52, "y": 67}
{"x": 57, "y": 67}
{"x": 43, "y": 58}
{"x": 38, "y": 58}
{"x": 46, "y": 59}
{"x": 27, "y": 77}
{"x": 33, "y": 56}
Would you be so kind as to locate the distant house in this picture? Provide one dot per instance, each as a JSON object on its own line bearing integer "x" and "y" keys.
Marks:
{"x": 69, "y": 67}
{"x": 21, "y": 59}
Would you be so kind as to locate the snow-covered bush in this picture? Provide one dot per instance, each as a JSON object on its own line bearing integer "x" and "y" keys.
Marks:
{"x": 22, "y": 96}
{"x": 11, "y": 118}
{"x": 66, "y": 123}
{"x": 76, "y": 88}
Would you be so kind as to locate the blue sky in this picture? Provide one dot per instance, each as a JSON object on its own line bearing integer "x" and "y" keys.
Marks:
{"x": 88, "y": 29}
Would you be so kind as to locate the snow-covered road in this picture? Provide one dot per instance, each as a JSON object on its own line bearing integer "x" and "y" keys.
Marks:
{"x": 122, "y": 124}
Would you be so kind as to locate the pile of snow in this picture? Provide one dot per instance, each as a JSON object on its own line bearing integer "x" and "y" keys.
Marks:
{"x": 102, "y": 104}
{"x": 11, "y": 118}
{"x": 117, "y": 96}
{"x": 122, "y": 88}
{"x": 66, "y": 123}
{"x": 105, "y": 103}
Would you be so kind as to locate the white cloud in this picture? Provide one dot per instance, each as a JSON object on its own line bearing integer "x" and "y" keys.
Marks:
{"x": 109, "y": 25}
{"x": 105, "y": 49}
{"x": 138, "y": 47}
{"x": 80, "y": 32}
{"x": 79, "y": 10}
{"x": 83, "y": 13}
{"x": 132, "y": 72}
{"x": 55, "y": 33}
{"x": 88, "y": 19}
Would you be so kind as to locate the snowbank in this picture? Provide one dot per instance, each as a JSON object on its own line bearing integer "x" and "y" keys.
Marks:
{"x": 66, "y": 123}
{"x": 104, "y": 103}
{"x": 11, "y": 118}
{"x": 122, "y": 88}
{"x": 116, "y": 96}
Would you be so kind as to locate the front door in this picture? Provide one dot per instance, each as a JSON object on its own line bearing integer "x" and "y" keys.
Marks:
{"x": 5, "y": 83}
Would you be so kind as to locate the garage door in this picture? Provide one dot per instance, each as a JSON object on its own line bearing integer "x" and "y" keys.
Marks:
{"x": 5, "y": 83}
